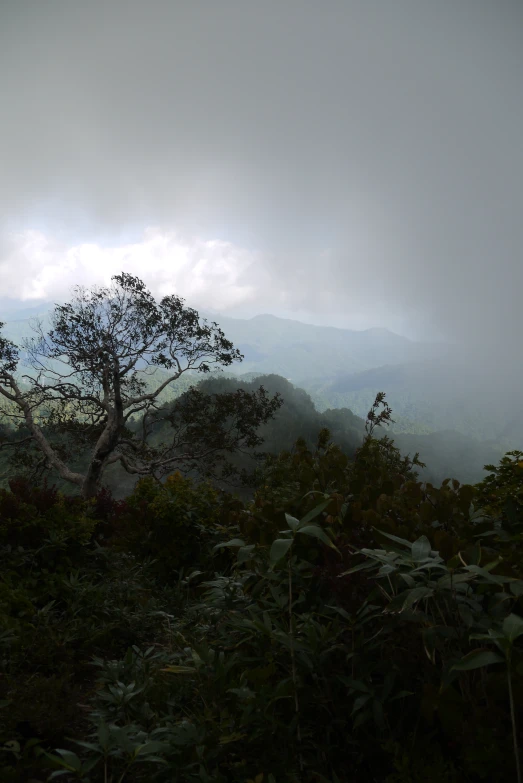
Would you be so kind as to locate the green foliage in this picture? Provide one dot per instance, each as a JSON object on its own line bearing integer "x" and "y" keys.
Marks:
{"x": 174, "y": 523}
{"x": 501, "y": 492}
{"x": 350, "y": 623}
{"x": 28, "y": 512}
{"x": 108, "y": 339}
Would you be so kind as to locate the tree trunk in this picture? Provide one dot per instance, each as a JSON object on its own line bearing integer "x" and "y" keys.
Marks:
{"x": 108, "y": 440}
{"x": 91, "y": 485}
{"x": 106, "y": 445}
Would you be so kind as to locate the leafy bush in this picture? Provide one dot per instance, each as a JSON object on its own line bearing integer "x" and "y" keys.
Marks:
{"x": 351, "y": 623}
{"x": 501, "y": 492}
{"x": 28, "y": 514}
{"x": 174, "y": 523}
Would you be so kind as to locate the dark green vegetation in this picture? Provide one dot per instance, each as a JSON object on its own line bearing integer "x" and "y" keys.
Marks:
{"x": 447, "y": 453}
{"x": 101, "y": 365}
{"x": 335, "y": 619}
{"x": 457, "y": 414}
{"x": 347, "y": 623}
{"x": 297, "y": 417}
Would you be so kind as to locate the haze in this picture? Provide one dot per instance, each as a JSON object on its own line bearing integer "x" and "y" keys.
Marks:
{"x": 352, "y": 164}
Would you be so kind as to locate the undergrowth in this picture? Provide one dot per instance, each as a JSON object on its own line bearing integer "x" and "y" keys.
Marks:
{"x": 349, "y": 623}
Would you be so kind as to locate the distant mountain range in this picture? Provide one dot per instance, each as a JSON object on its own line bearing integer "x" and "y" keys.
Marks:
{"x": 440, "y": 394}
{"x": 301, "y": 352}
{"x": 429, "y": 386}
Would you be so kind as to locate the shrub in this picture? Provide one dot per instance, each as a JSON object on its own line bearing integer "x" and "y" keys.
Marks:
{"x": 171, "y": 522}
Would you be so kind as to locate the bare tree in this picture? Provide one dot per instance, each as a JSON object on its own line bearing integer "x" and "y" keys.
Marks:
{"x": 92, "y": 377}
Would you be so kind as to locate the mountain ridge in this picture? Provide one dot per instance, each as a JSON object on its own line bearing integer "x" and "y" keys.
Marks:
{"x": 429, "y": 386}
{"x": 291, "y": 348}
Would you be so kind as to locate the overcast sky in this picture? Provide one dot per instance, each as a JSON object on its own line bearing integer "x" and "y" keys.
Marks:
{"x": 352, "y": 163}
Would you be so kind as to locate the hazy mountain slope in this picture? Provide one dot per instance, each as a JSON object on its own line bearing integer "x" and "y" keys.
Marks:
{"x": 449, "y": 454}
{"x": 301, "y": 352}
{"x": 440, "y": 394}
{"x": 17, "y": 325}
{"x": 446, "y": 454}
{"x": 429, "y": 387}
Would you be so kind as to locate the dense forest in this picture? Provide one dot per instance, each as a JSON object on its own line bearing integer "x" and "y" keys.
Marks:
{"x": 446, "y": 453}
{"x": 443, "y": 407}
{"x": 261, "y": 440}
{"x": 282, "y": 597}
{"x": 296, "y": 418}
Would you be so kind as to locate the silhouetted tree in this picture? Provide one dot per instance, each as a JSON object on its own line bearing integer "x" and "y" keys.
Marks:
{"x": 92, "y": 376}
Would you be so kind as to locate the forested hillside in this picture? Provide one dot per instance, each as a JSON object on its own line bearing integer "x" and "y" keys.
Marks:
{"x": 302, "y": 351}
{"x": 206, "y": 579}
{"x": 323, "y": 631}
{"x": 447, "y": 453}
{"x": 428, "y": 396}
{"x": 297, "y": 418}
{"x": 431, "y": 387}
{"x": 298, "y": 351}
{"x": 261, "y": 441}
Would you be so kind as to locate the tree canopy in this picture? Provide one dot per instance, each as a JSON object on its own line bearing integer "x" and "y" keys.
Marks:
{"x": 90, "y": 377}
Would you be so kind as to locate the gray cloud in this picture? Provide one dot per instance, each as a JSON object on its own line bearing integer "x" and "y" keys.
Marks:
{"x": 369, "y": 152}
